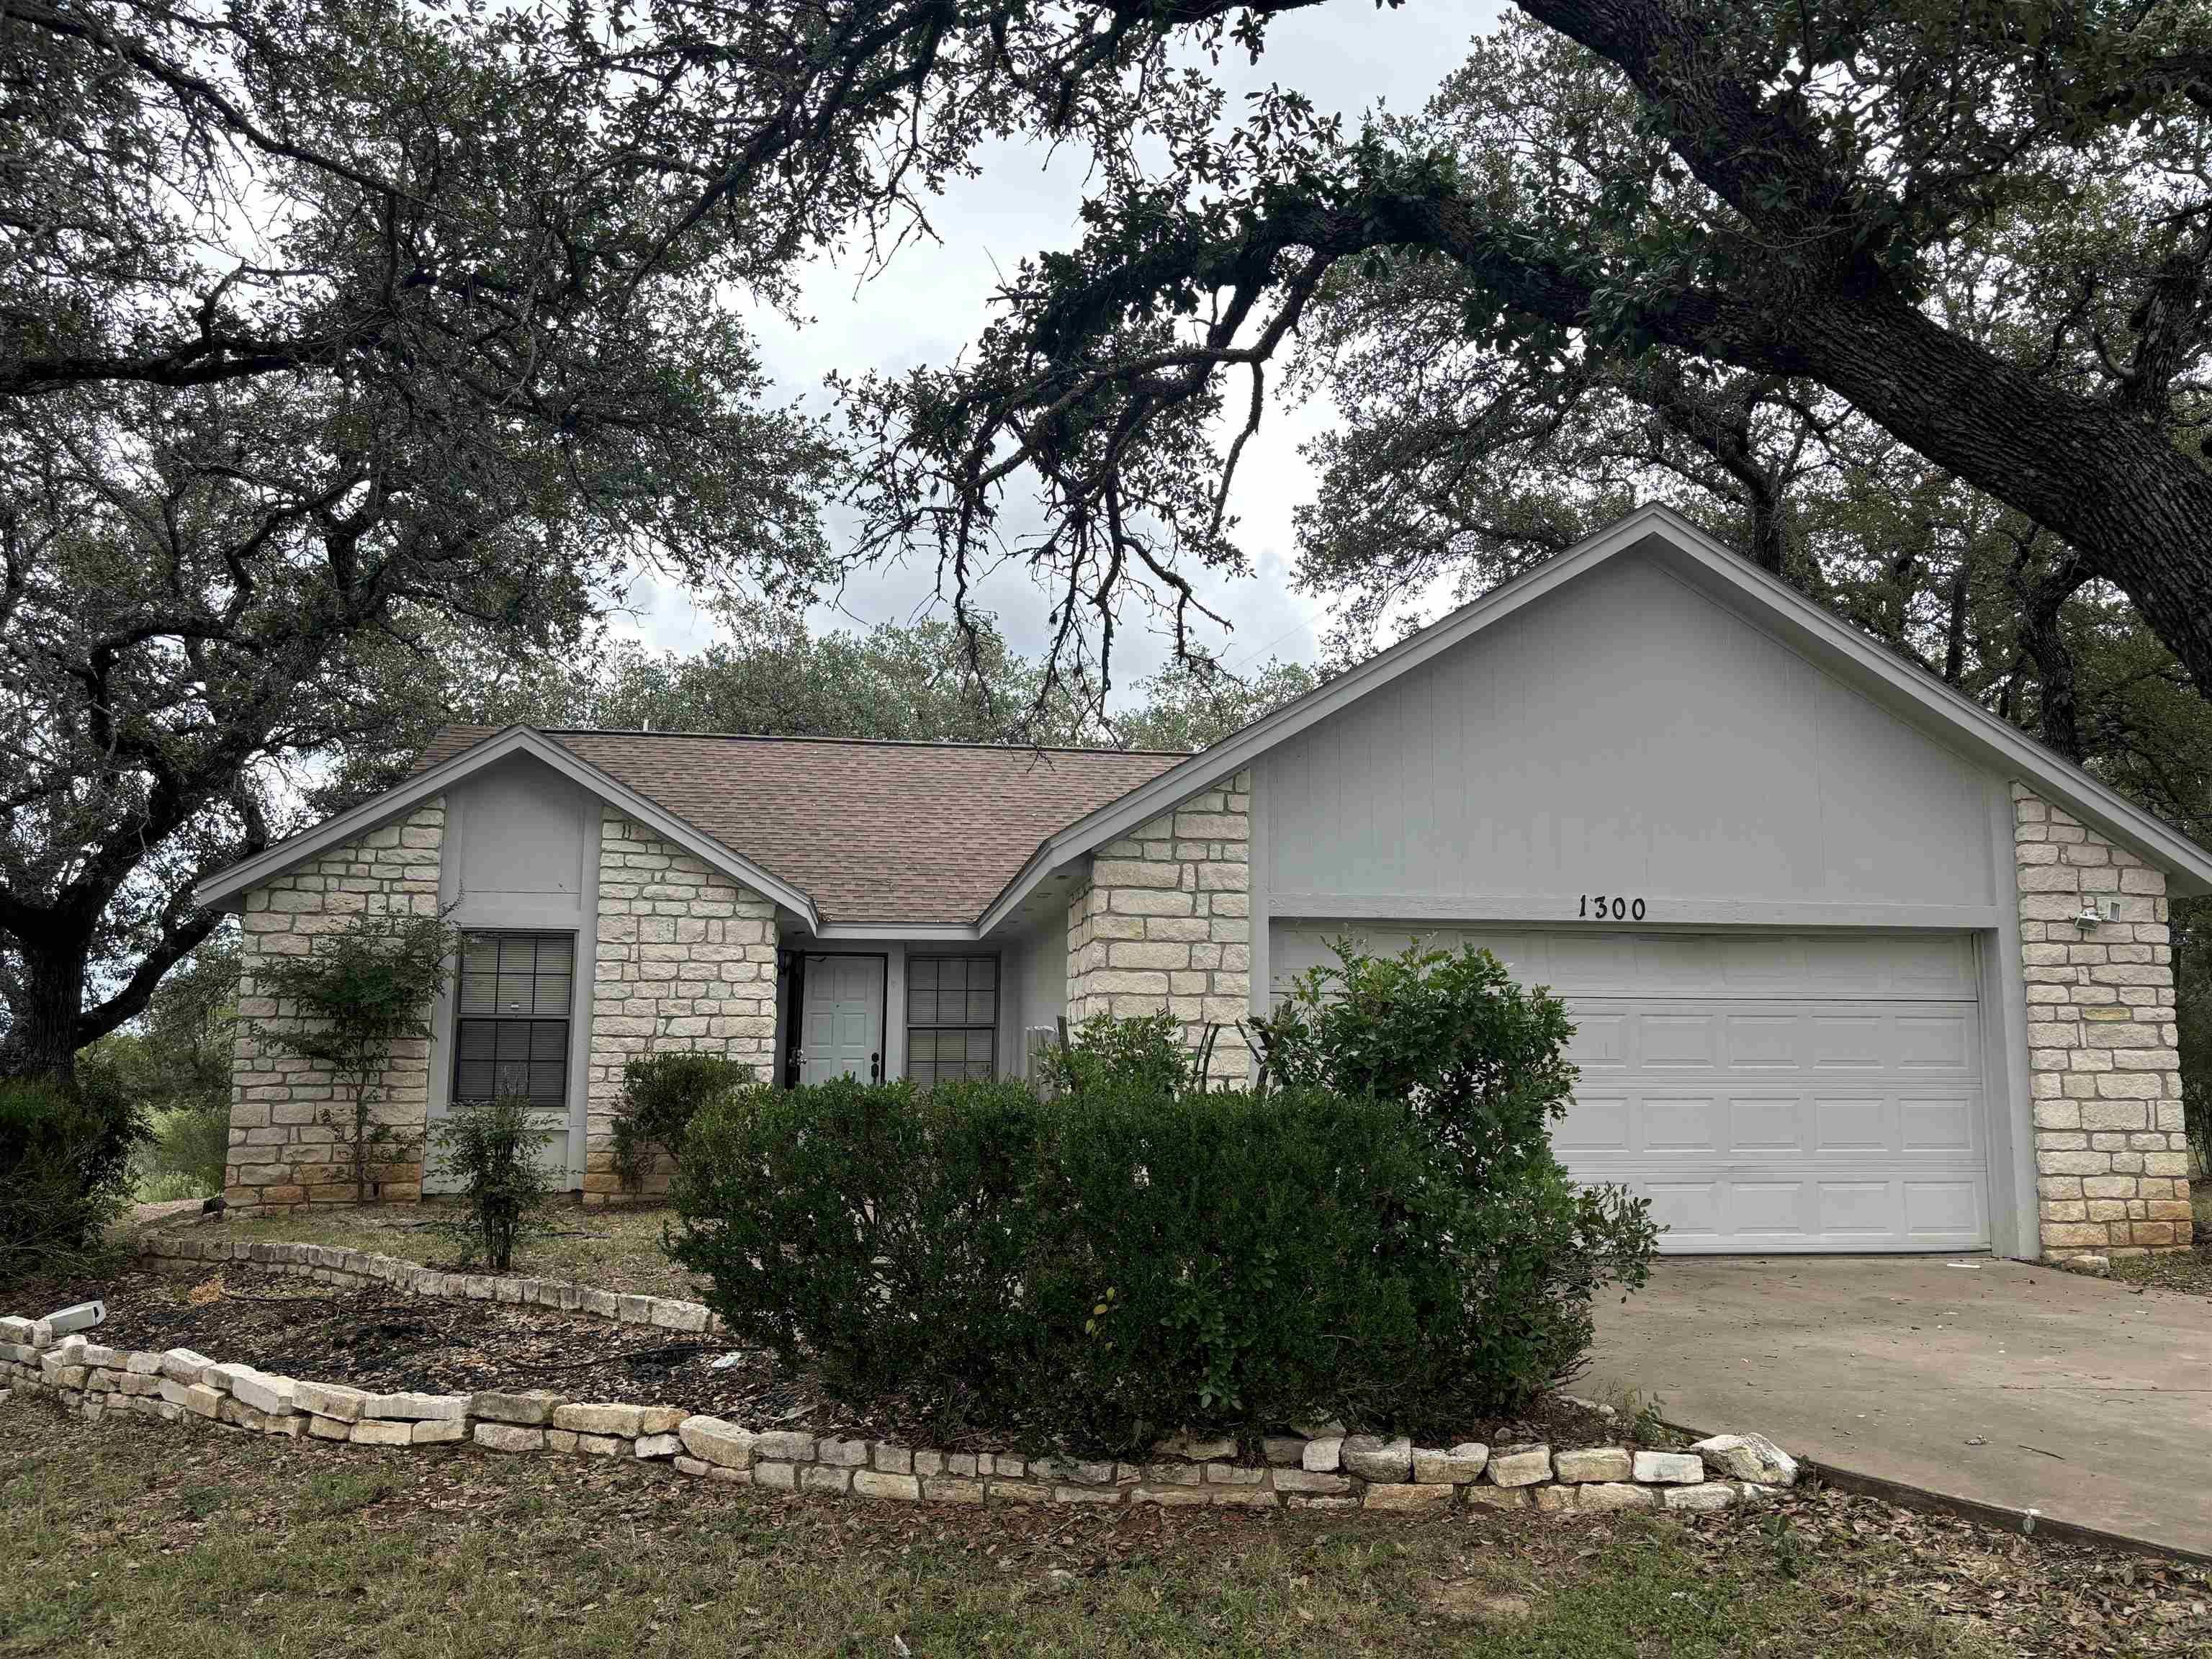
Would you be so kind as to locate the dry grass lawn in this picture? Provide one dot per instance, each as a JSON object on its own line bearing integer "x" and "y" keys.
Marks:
{"x": 142, "y": 1537}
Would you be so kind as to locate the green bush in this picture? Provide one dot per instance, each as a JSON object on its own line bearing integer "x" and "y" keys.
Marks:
{"x": 64, "y": 1168}
{"x": 1381, "y": 1240}
{"x": 492, "y": 1148}
{"x": 880, "y": 1231}
{"x": 189, "y": 1144}
{"x": 661, "y": 1094}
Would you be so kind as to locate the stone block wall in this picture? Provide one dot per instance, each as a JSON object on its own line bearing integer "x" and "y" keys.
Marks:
{"x": 1164, "y": 924}
{"x": 2111, "y": 1158}
{"x": 687, "y": 962}
{"x": 285, "y": 1151}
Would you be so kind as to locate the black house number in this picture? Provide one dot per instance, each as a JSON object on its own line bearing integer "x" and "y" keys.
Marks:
{"x": 1610, "y": 907}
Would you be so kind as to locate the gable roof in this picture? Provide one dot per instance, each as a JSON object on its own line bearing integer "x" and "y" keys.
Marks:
{"x": 438, "y": 775}
{"x": 903, "y": 834}
{"x": 1659, "y": 532}
{"x": 846, "y": 835}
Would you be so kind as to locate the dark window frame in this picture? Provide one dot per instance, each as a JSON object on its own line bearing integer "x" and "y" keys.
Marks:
{"x": 547, "y": 1038}
{"x": 939, "y": 1068}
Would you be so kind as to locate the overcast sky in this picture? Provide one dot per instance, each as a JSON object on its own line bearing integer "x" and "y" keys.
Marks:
{"x": 1344, "y": 56}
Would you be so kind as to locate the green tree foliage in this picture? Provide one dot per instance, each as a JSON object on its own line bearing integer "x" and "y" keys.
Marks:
{"x": 1789, "y": 194}
{"x": 65, "y": 1152}
{"x": 333, "y": 374}
{"x": 346, "y": 1006}
{"x": 661, "y": 1094}
{"x": 931, "y": 681}
{"x": 175, "y": 1058}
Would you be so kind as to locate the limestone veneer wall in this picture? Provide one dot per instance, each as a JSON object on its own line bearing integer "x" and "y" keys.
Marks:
{"x": 686, "y": 961}
{"x": 284, "y": 1152}
{"x": 1164, "y": 924}
{"x": 2111, "y": 1154}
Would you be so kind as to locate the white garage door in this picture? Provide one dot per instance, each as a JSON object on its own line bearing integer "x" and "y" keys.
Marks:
{"x": 1766, "y": 1092}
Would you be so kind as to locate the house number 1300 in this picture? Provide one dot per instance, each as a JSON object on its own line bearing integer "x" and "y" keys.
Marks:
{"x": 1602, "y": 906}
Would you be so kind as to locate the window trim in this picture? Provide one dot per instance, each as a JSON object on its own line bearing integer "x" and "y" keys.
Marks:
{"x": 566, "y": 1019}
{"x": 998, "y": 1005}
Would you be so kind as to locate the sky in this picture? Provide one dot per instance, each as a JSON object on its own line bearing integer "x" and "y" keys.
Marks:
{"x": 1346, "y": 56}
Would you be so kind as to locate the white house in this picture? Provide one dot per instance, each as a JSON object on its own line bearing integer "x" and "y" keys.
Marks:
{"x": 1856, "y": 965}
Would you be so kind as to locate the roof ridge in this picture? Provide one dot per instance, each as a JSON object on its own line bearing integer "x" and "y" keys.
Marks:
{"x": 857, "y": 743}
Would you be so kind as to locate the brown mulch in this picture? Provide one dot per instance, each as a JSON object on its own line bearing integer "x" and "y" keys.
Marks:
{"x": 387, "y": 1342}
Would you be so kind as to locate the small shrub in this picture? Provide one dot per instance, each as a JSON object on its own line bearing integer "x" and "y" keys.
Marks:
{"x": 661, "y": 1094}
{"x": 356, "y": 994}
{"x": 1141, "y": 1056}
{"x": 493, "y": 1149}
{"x": 65, "y": 1152}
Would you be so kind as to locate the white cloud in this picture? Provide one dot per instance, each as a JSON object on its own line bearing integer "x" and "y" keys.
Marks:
{"x": 1346, "y": 57}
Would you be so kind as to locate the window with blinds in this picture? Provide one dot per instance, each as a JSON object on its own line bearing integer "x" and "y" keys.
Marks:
{"x": 511, "y": 1021}
{"x": 951, "y": 1017}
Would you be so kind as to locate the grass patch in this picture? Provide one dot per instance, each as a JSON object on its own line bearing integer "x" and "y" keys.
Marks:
{"x": 133, "y": 1536}
{"x": 612, "y": 1250}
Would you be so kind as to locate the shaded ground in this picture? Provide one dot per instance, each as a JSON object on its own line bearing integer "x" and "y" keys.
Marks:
{"x": 1998, "y": 1382}
{"x": 137, "y": 1537}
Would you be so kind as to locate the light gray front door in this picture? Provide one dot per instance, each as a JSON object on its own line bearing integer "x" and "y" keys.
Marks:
{"x": 842, "y": 1031}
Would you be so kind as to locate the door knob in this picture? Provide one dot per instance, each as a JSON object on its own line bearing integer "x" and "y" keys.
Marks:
{"x": 875, "y": 1067}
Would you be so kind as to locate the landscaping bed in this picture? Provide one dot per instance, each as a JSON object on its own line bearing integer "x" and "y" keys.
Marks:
{"x": 385, "y": 1340}
{"x": 126, "y": 1536}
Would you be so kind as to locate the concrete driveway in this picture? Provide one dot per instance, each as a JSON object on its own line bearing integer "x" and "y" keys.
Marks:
{"x": 1996, "y": 1382}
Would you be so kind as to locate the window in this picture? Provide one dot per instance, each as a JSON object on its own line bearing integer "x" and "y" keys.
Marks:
{"x": 511, "y": 1023}
{"x": 951, "y": 1017}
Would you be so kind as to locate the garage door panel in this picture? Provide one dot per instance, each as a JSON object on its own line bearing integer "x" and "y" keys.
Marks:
{"x": 1749, "y": 1209}
{"x": 1763, "y": 1092}
{"x": 1596, "y": 964}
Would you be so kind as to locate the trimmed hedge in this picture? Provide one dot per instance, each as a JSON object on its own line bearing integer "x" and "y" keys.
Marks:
{"x": 1134, "y": 1254}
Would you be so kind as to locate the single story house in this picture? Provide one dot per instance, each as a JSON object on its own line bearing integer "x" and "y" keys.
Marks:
{"x": 1856, "y": 966}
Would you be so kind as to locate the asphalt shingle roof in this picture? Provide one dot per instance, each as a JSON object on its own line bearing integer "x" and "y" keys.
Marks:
{"x": 897, "y": 833}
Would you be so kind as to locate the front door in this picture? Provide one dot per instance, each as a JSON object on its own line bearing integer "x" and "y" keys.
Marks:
{"x": 842, "y": 1031}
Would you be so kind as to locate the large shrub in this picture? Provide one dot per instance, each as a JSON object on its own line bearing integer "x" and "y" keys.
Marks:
{"x": 65, "y": 1167}
{"x": 661, "y": 1094}
{"x": 1481, "y": 1062}
{"x": 882, "y": 1232}
{"x": 1373, "y": 1240}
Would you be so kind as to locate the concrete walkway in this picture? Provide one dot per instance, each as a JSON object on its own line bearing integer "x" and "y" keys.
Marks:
{"x": 1994, "y": 1382}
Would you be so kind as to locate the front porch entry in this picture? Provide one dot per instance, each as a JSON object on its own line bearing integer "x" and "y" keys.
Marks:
{"x": 841, "y": 1026}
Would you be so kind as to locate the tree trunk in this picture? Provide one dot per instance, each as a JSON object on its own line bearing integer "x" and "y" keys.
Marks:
{"x": 42, "y": 1041}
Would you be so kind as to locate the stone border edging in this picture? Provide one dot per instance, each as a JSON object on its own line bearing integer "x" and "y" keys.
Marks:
{"x": 333, "y": 1264}
{"x": 1328, "y": 1470}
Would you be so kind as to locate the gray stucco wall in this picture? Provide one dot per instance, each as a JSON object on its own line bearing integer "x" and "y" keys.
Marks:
{"x": 1625, "y": 736}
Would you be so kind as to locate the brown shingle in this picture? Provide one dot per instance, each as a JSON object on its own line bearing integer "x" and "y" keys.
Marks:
{"x": 897, "y": 833}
